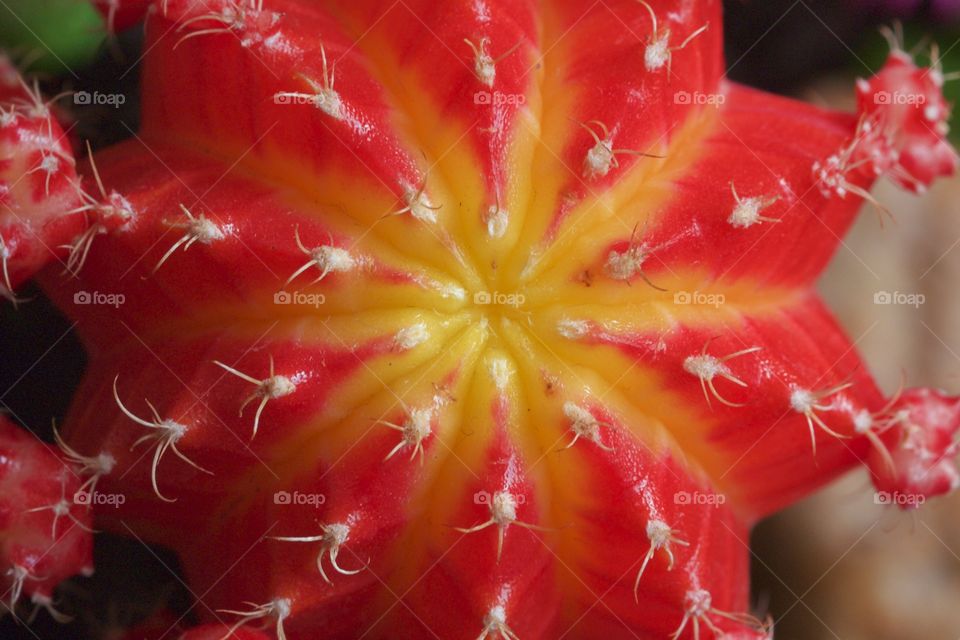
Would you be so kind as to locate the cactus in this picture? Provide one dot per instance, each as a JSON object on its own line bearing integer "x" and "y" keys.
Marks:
{"x": 470, "y": 319}
{"x": 41, "y": 205}
{"x": 45, "y": 533}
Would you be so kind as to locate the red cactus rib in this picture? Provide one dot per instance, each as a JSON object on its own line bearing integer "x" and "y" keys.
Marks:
{"x": 45, "y": 517}
{"x": 522, "y": 294}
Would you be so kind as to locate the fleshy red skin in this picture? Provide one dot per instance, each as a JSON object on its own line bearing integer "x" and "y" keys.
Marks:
{"x": 401, "y": 327}
{"x": 37, "y": 540}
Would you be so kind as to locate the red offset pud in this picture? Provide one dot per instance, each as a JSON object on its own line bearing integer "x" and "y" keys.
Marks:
{"x": 45, "y": 518}
{"x": 41, "y": 205}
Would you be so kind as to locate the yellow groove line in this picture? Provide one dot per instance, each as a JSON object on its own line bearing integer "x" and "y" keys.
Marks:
{"x": 291, "y": 455}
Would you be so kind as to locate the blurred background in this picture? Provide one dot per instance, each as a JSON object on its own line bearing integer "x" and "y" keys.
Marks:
{"x": 835, "y": 566}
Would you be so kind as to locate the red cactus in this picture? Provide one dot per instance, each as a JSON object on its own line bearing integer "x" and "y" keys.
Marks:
{"x": 45, "y": 533}
{"x": 39, "y": 196}
{"x": 920, "y": 463}
{"x": 905, "y": 105}
{"x": 480, "y": 319}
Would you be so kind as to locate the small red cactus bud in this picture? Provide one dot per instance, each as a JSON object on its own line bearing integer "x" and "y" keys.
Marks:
{"x": 907, "y": 116}
{"x": 40, "y": 203}
{"x": 45, "y": 533}
{"x": 924, "y": 423}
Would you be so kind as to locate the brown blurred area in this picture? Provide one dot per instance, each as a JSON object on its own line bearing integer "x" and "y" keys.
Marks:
{"x": 837, "y": 565}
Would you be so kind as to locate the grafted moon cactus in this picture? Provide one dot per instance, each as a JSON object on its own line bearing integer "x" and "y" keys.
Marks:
{"x": 479, "y": 319}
